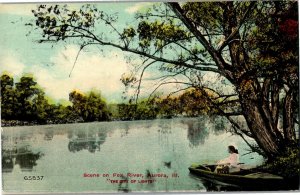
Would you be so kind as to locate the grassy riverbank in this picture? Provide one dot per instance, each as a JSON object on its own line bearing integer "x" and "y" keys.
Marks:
{"x": 287, "y": 166}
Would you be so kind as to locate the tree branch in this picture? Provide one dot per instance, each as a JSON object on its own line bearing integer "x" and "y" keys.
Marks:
{"x": 233, "y": 113}
{"x": 175, "y": 7}
{"x": 235, "y": 31}
{"x": 165, "y": 83}
{"x": 183, "y": 89}
{"x": 140, "y": 80}
{"x": 81, "y": 47}
{"x": 196, "y": 57}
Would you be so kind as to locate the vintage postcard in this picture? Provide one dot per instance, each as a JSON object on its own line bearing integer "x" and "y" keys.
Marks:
{"x": 149, "y": 96}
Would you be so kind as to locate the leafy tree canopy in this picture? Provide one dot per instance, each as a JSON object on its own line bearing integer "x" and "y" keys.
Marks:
{"x": 249, "y": 44}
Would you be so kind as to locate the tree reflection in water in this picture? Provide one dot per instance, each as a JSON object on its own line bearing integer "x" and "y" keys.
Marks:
{"x": 196, "y": 131}
{"x": 22, "y": 156}
{"x": 27, "y": 160}
{"x": 199, "y": 128}
{"x": 7, "y": 163}
{"x": 49, "y": 135}
{"x": 124, "y": 187}
{"x": 86, "y": 141}
{"x": 125, "y": 130}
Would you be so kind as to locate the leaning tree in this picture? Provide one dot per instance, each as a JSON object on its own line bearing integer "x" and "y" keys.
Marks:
{"x": 251, "y": 46}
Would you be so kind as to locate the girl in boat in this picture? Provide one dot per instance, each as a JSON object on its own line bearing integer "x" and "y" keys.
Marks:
{"x": 231, "y": 163}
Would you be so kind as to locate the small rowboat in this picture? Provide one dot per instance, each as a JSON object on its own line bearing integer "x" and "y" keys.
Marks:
{"x": 246, "y": 179}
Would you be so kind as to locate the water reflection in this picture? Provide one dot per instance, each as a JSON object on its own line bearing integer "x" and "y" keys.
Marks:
{"x": 213, "y": 187}
{"x": 86, "y": 141}
{"x": 125, "y": 131}
{"x": 159, "y": 146}
{"x": 163, "y": 139}
{"x": 17, "y": 150}
{"x": 49, "y": 135}
{"x": 196, "y": 132}
{"x": 7, "y": 163}
{"x": 124, "y": 187}
{"x": 27, "y": 160}
{"x": 198, "y": 129}
{"x": 22, "y": 156}
{"x": 168, "y": 164}
{"x": 219, "y": 124}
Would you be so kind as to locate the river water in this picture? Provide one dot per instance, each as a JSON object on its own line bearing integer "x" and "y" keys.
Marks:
{"x": 59, "y": 156}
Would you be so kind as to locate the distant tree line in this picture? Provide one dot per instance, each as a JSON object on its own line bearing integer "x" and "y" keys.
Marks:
{"x": 26, "y": 101}
{"x": 191, "y": 103}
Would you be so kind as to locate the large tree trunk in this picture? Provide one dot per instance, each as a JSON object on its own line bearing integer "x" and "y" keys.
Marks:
{"x": 288, "y": 119}
{"x": 259, "y": 122}
{"x": 254, "y": 99}
{"x": 260, "y": 112}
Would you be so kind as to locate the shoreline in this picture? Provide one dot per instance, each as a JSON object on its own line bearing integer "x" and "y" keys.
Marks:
{"x": 17, "y": 123}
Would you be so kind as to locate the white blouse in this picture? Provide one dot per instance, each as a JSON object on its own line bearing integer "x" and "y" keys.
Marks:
{"x": 232, "y": 160}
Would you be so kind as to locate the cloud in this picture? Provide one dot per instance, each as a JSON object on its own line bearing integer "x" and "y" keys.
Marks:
{"x": 8, "y": 63}
{"x": 137, "y": 6}
{"x": 17, "y": 9}
{"x": 91, "y": 71}
{"x": 152, "y": 85}
{"x": 94, "y": 71}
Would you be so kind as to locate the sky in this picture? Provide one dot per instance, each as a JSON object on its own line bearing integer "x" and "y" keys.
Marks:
{"x": 51, "y": 65}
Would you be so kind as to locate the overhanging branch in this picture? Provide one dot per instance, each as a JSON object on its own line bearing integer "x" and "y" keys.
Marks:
{"x": 235, "y": 31}
{"x": 222, "y": 65}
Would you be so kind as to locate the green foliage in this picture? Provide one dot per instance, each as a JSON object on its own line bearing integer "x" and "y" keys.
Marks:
{"x": 8, "y": 98}
{"x": 25, "y": 101}
{"x": 52, "y": 25}
{"x": 286, "y": 165}
{"x": 250, "y": 43}
{"x": 26, "y": 89}
{"x": 57, "y": 22}
{"x": 90, "y": 106}
{"x": 40, "y": 107}
{"x": 202, "y": 14}
{"x": 128, "y": 33}
{"x": 168, "y": 107}
{"x": 126, "y": 111}
{"x": 142, "y": 110}
{"x": 159, "y": 33}
{"x": 272, "y": 41}
{"x": 195, "y": 102}
{"x": 191, "y": 103}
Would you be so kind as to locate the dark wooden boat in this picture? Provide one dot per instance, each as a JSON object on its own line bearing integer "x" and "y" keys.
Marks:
{"x": 247, "y": 179}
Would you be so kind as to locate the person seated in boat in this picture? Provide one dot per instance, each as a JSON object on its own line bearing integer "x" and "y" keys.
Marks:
{"x": 229, "y": 164}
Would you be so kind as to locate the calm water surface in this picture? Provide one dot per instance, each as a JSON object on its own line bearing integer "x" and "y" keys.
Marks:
{"x": 63, "y": 153}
